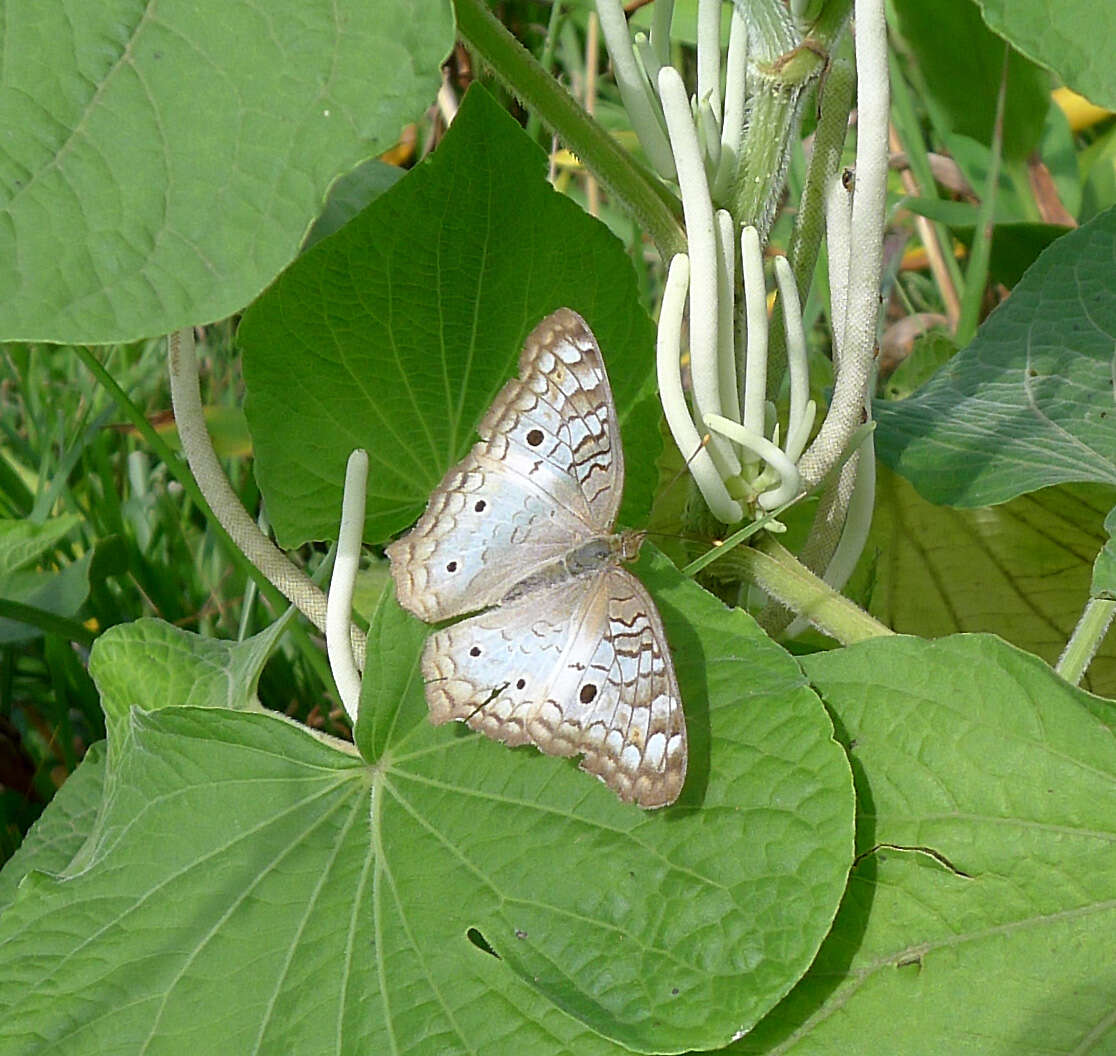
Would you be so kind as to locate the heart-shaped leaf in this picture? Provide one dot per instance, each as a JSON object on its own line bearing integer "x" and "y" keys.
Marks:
{"x": 395, "y": 333}
{"x": 981, "y": 913}
{"x": 447, "y": 895}
{"x": 163, "y": 162}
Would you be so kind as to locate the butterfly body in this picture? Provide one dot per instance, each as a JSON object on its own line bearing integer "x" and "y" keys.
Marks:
{"x": 589, "y": 558}
{"x": 566, "y": 650}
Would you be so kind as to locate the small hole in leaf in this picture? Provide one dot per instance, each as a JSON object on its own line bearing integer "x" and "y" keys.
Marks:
{"x": 535, "y": 437}
{"x": 477, "y": 939}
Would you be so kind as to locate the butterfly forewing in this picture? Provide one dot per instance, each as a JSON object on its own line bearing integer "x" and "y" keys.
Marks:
{"x": 563, "y": 393}
{"x": 546, "y": 477}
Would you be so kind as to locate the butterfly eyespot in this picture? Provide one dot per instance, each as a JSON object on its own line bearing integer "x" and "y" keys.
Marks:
{"x": 451, "y": 567}
{"x": 480, "y": 505}
{"x": 520, "y": 684}
{"x": 588, "y": 692}
{"x": 475, "y": 651}
{"x": 535, "y": 437}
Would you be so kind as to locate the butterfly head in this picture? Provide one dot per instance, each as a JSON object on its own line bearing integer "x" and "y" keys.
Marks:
{"x": 630, "y": 542}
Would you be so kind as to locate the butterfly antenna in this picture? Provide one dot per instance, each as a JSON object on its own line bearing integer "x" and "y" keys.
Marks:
{"x": 670, "y": 487}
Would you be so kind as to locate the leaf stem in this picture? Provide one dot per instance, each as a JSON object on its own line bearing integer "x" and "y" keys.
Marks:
{"x": 653, "y": 205}
{"x": 779, "y": 574}
{"x": 247, "y": 541}
{"x": 836, "y": 91}
{"x": 1085, "y": 640}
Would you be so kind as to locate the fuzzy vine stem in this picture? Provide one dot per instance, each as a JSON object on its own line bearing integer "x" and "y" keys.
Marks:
{"x": 650, "y": 201}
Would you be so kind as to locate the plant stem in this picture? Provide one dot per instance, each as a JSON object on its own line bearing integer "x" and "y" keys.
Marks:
{"x": 782, "y": 67}
{"x": 836, "y": 92}
{"x": 190, "y": 486}
{"x": 857, "y": 346}
{"x": 976, "y": 275}
{"x": 653, "y": 205}
{"x": 779, "y": 574}
{"x": 268, "y": 565}
{"x": 1085, "y": 640}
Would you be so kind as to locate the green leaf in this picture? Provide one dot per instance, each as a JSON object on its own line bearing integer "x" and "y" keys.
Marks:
{"x": 765, "y": 789}
{"x": 62, "y": 828}
{"x": 451, "y": 895}
{"x": 395, "y": 334}
{"x": 23, "y": 542}
{"x": 1098, "y": 167}
{"x": 150, "y": 664}
{"x": 1104, "y": 569}
{"x": 353, "y": 192}
{"x": 45, "y": 596}
{"x": 928, "y": 353}
{"x": 1066, "y": 37}
{"x": 161, "y": 164}
{"x": 45, "y": 593}
{"x": 981, "y": 913}
{"x": 225, "y": 841}
{"x": 961, "y": 61}
{"x": 1029, "y": 402}
{"x": 1021, "y": 570}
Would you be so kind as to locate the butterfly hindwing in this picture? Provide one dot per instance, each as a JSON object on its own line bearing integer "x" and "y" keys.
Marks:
{"x": 579, "y": 668}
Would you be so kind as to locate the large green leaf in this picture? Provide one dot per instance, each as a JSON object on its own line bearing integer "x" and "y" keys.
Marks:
{"x": 161, "y": 163}
{"x": 1021, "y": 570}
{"x": 1029, "y": 402}
{"x": 981, "y": 914}
{"x": 395, "y": 334}
{"x": 1070, "y": 37}
{"x": 963, "y": 81}
{"x": 190, "y": 670}
{"x": 667, "y": 929}
{"x": 62, "y": 828}
{"x": 449, "y": 895}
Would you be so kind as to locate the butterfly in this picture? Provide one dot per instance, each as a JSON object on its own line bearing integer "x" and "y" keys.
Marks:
{"x": 566, "y": 649}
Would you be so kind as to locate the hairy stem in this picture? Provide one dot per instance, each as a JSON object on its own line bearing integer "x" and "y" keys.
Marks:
{"x": 227, "y": 509}
{"x": 653, "y": 205}
{"x": 1085, "y": 640}
{"x": 778, "y": 573}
